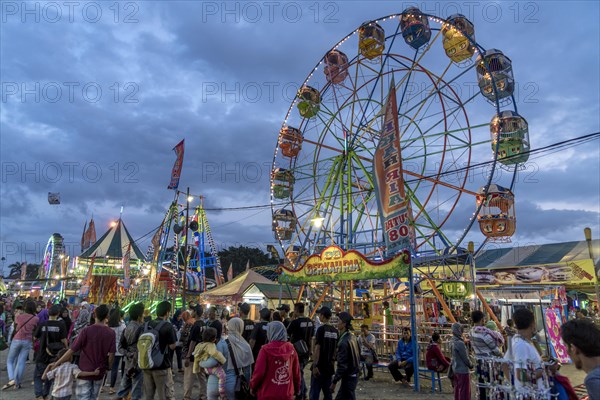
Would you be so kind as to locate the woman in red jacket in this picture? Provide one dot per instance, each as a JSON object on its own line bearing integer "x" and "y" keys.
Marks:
{"x": 434, "y": 358}
{"x": 276, "y": 374}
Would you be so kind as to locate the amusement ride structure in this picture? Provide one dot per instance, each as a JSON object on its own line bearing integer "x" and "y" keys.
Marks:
{"x": 458, "y": 169}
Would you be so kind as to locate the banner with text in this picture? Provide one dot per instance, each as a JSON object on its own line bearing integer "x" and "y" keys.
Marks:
{"x": 394, "y": 207}
{"x": 334, "y": 264}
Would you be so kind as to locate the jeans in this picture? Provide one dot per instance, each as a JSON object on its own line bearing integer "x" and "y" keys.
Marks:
{"x": 17, "y": 356}
{"x": 212, "y": 385}
{"x": 114, "y": 371}
{"x": 347, "y": 388}
{"x": 302, "y": 393}
{"x": 41, "y": 388}
{"x": 177, "y": 354}
{"x": 134, "y": 384}
{"x": 88, "y": 390}
{"x": 322, "y": 383}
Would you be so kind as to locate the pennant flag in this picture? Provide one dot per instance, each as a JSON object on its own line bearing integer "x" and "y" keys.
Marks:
{"x": 92, "y": 232}
{"x": 126, "y": 260}
{"x": 230, "y": 272}
{"x": 89, "y": 238}
{"x": 176, "y": 172}
{"x": 83, "y": 237}
{"x": 395, "y": 210}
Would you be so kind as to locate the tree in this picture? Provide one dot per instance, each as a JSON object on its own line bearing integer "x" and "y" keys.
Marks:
{"x": 239, "y": 257}
{"x": 15, "y": 271}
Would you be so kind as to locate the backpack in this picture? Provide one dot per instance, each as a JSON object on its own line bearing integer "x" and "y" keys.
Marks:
{"x": 149, "y": 354}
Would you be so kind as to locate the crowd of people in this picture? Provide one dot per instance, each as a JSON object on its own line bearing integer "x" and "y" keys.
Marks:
{"x": 134, "y": 354}
{"x": 83, "y": 351}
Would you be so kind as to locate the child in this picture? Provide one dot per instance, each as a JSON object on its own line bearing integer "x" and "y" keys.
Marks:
{"x": 206, "y": 350}
{"x": 63, "y": 377}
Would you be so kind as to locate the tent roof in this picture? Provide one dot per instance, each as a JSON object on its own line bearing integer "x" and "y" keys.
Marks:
{"x": 114, "y": 244}
{"x": 238, "y": 284}
{"x": 271, "y": 290}
{"x": 536, "y": 254}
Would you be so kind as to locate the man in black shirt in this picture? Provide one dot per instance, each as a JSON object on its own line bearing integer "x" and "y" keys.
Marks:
{"x": 53, "y": 336}
{"x": 348, "y": 359}
{"x": 323, "y": 357}
{"x": 258, "y": 338}
{"x": 284, "y": 311}
{"x": 213, "y": 322}
{"x": 301, "y": 329}
{"x": 189, "y": 377}
{"x": 244, "y": 309}
{"x": 159, "y": 380}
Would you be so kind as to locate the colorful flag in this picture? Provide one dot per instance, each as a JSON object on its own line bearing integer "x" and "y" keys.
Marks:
{"x": 176, "y": 172}
{"x": 394, "y": 207}
{"x": 230, "y": 272}
{"x": 92, "y": 232}
{"x": 126, "y": 260}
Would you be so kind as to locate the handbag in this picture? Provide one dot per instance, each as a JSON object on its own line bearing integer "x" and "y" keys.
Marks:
{"x": 52, "y": 349}
{"x": 19, "y": 328}
{"x": 301, "y": 348}
{"x": 242, "y": 386}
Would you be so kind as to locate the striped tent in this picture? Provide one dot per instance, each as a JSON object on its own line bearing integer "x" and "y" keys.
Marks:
{"x": 114, "y": 243}
{"x": 108, "y": 269}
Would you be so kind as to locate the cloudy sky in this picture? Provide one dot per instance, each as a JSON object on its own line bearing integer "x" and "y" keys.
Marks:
{"x": 95, "y": 96}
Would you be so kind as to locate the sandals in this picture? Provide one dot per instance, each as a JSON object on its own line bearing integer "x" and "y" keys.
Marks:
{"x": 8, "y": 385}
{"x": 112, "y": 391}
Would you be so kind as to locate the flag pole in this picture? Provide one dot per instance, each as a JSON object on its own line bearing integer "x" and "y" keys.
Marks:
{"x": 185, "y": 249}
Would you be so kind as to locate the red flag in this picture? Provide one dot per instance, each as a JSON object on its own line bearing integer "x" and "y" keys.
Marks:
{"x": 126, "y": 260}
{"x": 176, "y": 172}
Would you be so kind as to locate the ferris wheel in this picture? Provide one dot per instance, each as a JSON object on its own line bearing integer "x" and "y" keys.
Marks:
{"x": 461, "y": 137}
{"x": 53, "y": 256}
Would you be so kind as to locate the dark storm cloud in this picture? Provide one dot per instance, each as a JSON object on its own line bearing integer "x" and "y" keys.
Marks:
{"x": 183, "y": 71}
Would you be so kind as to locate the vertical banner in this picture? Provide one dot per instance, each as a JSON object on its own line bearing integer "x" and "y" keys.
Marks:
{"x": 126, "y": 260}
{"x": 23, "y": 271}
{"x": 230, "y": 272}
{"x": 553, "y": 323}
{"x": 87, "y": 282}
{"x": 176, "y": 172}
{"x": 394, "y": 207}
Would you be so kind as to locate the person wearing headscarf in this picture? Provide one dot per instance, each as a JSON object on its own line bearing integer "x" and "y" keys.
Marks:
{"x": 277, "y": 370}
{"x": 64, "y": 315}
{"x": 82, "y": 321}
{"x": 461, "y": 364}
{"x": 233, "y": 347}
{"x": 241, "y": 349}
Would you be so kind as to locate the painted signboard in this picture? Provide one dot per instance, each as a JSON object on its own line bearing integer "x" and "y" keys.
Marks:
{"x": 565, "y": 273}
{"x": 334, "y": 264}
